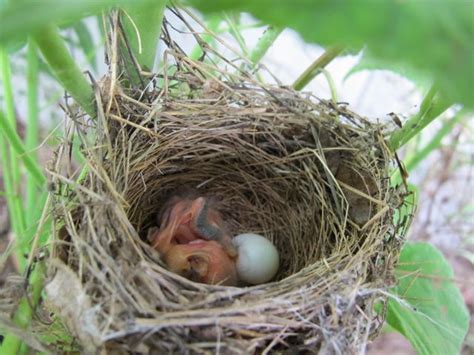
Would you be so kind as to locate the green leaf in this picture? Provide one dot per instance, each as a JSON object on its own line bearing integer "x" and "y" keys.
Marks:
{"x": 431, "y": 107}
{"x": 19, "y": 18}
{"x": 60, "y": 61}
{"x": 431, "y": 312}
{"x": 86, "y": 42}
{"x": 433, "y": 37}
{"x": 142, "y": 26}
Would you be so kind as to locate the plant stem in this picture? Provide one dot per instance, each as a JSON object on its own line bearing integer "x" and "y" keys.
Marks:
{"x": 32, "y": 129}
{"x": 332, "y": 86}
{"x": 143, "y": 28}
{"x": 315, "y": 68}
{"x": 431, "y": 107}
{"x": 264, "y": 43}
{"x": 64, "y": 68}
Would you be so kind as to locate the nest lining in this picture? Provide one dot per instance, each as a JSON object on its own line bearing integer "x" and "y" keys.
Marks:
{"x": 308, "y": 174}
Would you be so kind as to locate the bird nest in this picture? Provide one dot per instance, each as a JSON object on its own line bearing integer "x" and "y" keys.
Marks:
{"x": 308, "y": 174}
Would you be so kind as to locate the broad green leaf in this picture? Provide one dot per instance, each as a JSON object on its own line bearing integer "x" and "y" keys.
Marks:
{"x": 433, "y": 37}
{"x": 20, "y": 18}
{"x": 431, "y": 312}
{"x": 13, "y": 45}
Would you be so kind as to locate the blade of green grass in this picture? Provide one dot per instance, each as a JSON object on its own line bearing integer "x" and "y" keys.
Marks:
{"x": 14, "y": 210}
{"x": 86, "y": 42}
{"x": 9, "y": 106}
{"x": 11, "y": 169}
{"x": 264, "y": 43}
{"x": 431, "y": 107}
{"x": 17, "y": 145}
{"x": 315, "y": 68}
{"x": 413, "y": 161}
{"x": 64, "y": 68}
{"x": 10, "y": 116}
{"x": 32, "y": 128}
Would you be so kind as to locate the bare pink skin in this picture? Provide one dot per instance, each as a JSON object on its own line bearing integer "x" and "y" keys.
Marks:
{"x": 185, "y": 220}
{"x": 194, "y": 243}
{"x": 202, "y": 261}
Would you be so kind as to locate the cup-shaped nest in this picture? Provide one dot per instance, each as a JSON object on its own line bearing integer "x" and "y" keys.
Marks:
{"x": 308, "y": 174}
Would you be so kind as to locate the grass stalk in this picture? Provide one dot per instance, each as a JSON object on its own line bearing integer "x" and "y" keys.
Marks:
{"x": 315, "y": 68}
{"x": 14, "y": 209}
{"x": 10, "y": 110}
{"x": 11, "y": 169}
{"x": 64, "y": 68}
{"x": 431, "y": 107}
{"x": 264, "y": 43}
{"x": 142, "y": 26}
{"x": 17, "y": 145}
{"x": 32, "y": 127}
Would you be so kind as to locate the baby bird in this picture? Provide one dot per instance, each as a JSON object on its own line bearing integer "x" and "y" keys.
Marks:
{"x": 194, "y": 243}
{"x": 184, "y": 220}
{"x": 202, "y": 261}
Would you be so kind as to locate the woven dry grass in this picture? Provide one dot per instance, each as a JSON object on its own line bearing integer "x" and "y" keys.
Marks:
{"x": 308, "y": 174}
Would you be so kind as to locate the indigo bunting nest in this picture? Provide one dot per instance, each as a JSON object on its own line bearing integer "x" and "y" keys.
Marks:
{"x": 308, "y": 174}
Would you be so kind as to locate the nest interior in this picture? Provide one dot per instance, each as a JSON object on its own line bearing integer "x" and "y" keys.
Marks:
{"x": 308, "y": 174}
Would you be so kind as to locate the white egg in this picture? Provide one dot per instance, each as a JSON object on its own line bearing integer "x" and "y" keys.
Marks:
{"x": 258, "y": 259}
